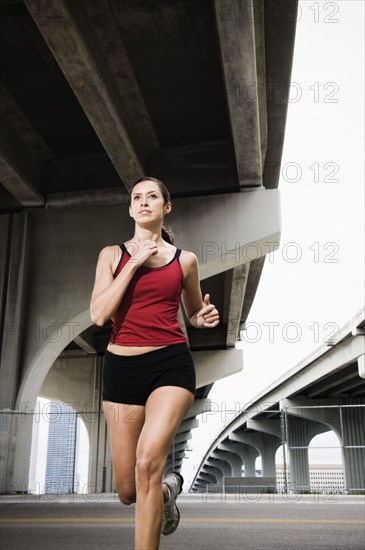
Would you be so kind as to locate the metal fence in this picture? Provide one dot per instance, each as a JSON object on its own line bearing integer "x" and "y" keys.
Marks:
{"x": 58, "y": 450}
{"x": 287, "y": 439}
{"x": 299, "y": 425}
{"x": 54, "y": 451}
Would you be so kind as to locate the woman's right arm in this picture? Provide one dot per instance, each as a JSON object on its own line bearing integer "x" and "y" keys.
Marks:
{"x": 108, "y": 292}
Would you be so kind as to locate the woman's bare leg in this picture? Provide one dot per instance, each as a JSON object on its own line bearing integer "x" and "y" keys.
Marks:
{"x": 164, "y": 411}
{"x": 125, "y": 423}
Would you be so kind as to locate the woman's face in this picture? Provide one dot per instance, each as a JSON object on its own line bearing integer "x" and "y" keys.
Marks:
{"x": 147, "y": 202}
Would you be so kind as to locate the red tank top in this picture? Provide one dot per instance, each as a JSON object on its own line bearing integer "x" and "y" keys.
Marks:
{"x": 147, "y": 313}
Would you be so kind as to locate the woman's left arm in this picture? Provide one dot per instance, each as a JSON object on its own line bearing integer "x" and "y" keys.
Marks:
{"x": 201, "y": 314}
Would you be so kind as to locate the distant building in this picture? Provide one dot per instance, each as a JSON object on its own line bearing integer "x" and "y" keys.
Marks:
{"x": 60, "y": 464}
{"x": 323, "y": 478}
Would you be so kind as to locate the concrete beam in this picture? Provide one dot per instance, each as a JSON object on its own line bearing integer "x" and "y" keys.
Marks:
{"x": 361, "y": 365}
{"x": 23, "y": 128}
{"x": 177, "y": 460}
{"x": 18, "y": 169}
{"x": 322, "y": 412}
{"x": 86, "y": 341}
{"x": 136, "y": 117}
{"x": 178, "y": 448}
{"x": 180, "y": 437}
{"x": 199, "y": 406}
{"x": 172, "y": 467}
{"x": 317, "y": 366}
{"x": 247, "y": 226}
{"x": 13, "y": 274}
{"x": 188, "y": 424}
{"x": 218, "y": 465}
{"x": 359, "y": 383}
{"x": 304, "y": 423}
{"x": 270, "y": 426}
{"x": 233, "y": 457}
{"x": 216, "y": 472}
{"x": 242, "y": 51}
{"x": 209, "y": 478}
{"x": 224, "y": 465}
{"x": 249, "y": 443}
{"x": 235, "y": 304}
{"x": 77, "y": 54}
{"x": 89, "y": 198}
{"x": 264, "y": 443}
{"x": 215, "y": 365}
{"x": 324, "y": 385}
{"x": 231, "y": 447}
{"x": 279, "y": 51}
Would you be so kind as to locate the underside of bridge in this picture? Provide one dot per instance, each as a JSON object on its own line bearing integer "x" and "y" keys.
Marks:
{"x": 325, "y": 391}
{"x": 96, "y": 93}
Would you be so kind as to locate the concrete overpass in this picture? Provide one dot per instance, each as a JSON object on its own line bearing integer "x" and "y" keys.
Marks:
{"x": 96, "y": 93}
{"x": 325, "y": 391}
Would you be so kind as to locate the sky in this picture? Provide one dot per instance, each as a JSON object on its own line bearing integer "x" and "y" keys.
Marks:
{"x": 316, "y": 278}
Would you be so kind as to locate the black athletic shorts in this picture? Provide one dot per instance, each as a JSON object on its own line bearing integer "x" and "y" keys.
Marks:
{"x": 130, "y": 379}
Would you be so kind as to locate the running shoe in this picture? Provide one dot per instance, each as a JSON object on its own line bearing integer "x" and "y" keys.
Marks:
{"x": 171, "y": 514}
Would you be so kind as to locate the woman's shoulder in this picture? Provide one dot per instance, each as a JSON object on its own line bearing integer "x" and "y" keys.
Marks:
{"x": 189, "y": 256}
{"x": 111, "y": 249}
{"x": 188, "y": 260}
{"x": 111, "y": 254}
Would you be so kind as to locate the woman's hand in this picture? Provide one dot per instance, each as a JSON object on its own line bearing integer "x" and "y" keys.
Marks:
{"x": 140, "y": 251}
{"x": 208, "y": 316}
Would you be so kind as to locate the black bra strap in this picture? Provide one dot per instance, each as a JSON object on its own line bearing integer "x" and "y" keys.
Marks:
{"x": 176, "y": 257}
{"x": 124, "y": 248}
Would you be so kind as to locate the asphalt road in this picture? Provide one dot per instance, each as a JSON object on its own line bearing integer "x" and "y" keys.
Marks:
{"x": 305, "y": 522}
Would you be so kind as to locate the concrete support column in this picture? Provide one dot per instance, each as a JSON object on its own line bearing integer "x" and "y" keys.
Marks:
{"x": 207, "y": 478}
{"x": 221, "y": 463}
{"x": 347, "y": 418}
{"x": 210, "y": 472}
{"x": 13, "y": 241}
{"x": 300, "y": 433}
{"x": 18, "y": 463}
{"x": 353, "y": 426}
{"x": 235, "y": 461}
{"x": 250, "y": 461}
{"x": 247, "y": 450}
{"x": 77, "y": 382}
{"x": 216, "y": 472}
{"x": 96, "y": 430}
{"x": 267, "y": 439}
{"x": 268, "y": 453}
{"x": 234, "y": 458}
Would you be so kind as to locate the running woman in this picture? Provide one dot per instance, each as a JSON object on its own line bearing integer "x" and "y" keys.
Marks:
{"x": 149, "y": 378}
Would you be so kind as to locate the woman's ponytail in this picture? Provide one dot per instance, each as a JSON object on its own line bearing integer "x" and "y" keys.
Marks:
{"x": 167, "y": 234}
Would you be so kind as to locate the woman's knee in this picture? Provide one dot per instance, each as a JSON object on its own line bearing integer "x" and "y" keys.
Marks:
{"x": 149, "y": 468}
{"x": 126, "y": 492}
